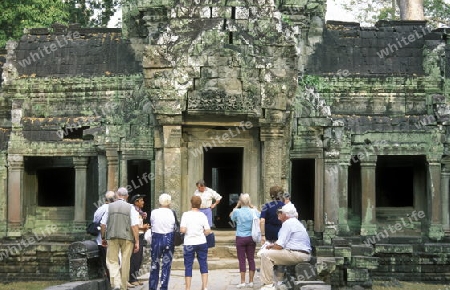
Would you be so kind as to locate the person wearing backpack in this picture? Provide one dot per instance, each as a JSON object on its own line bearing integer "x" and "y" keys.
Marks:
{"x": 110, "y": 196}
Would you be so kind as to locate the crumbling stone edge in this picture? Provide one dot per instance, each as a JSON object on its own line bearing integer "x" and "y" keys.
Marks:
{"x": 97, "y": 284}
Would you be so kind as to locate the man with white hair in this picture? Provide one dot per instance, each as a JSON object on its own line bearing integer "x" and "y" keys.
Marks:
{"x": 292, "y": 247}
{"x": 162, "y": 222}
{"x": 120, "y": 231}
{"x": 286, "y": 199}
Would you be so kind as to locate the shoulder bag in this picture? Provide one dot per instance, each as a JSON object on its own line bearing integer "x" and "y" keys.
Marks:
{"x": 93, "y": 228}
{"x": 256, "y": 229}
{"x": 211, "y": 240}
{"x": 178, "y": 237}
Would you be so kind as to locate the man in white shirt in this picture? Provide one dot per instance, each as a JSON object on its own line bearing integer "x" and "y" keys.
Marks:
{"x": 207, "y": 195}
{"x": 292, "y": 247}
{"x": 119, "y": 233}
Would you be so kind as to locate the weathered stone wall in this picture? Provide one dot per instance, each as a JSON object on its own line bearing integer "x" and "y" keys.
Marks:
{"x": 32, "y": 258}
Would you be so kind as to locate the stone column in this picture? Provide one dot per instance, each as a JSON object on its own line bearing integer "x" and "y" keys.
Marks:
{"x": 445, "y": 180}
{"x": 343, "y": 227}
{"x": 124, "y": 173}
{"x": 112, "y": 159}
{"x": 172, "y": 163}
{"x": 80, "y": 164}
{"x": 3, "y": 197}
{"x": 272, "y": 154}
{"x": 15, "y": 194}
{"x": 435, "y": 201}
{"x": 318, "y": 196}
{"x": 331, "y": 199}
{"x": 368, "y": 191}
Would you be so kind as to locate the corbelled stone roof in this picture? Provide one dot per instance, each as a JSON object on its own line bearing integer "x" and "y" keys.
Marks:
{"x": 73, "y": 51}
{"x": 389, "y": 48}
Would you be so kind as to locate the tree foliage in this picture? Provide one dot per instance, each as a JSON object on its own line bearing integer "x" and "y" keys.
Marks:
{"x": 19, "y": 14}
{"x": 437, "y": 12}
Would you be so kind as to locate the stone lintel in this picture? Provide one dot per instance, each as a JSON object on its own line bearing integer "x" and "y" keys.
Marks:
{"x": 165, "y": 120}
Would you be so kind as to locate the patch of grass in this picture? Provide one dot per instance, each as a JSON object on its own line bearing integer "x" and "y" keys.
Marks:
{"x": 395, "y": 285}
{"x": 34, "y": 285}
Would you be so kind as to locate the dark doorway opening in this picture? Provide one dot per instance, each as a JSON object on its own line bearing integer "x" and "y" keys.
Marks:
{"x": 139, "y": 179}
{"x": 223, "y": 173}
{"x": 56, "y": 186}
{"x": 354, "y": 190}
{"x": 396, "y": 177}
{"x": 302, "y": 185}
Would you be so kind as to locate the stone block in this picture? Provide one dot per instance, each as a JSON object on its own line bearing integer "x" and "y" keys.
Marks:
{"x": 305, "y": 272}
{"x": 315, "y": 287}
{"x": 345, "y": 252}
{"x": 354, "y": 275}
{"x": 436, "y": 248}
{"x": 341, "y": 242}
{"x": 364, "y": 262}
{"x": 362, "y": 250}
{"x": 393, "y": 249}
{"x": 325, "y": 251}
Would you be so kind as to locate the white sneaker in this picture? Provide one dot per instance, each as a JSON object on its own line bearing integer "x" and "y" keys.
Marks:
{"x": 268, "y": 287}
{"x": 250, "y": 285}
{"x": 242, "y": 285}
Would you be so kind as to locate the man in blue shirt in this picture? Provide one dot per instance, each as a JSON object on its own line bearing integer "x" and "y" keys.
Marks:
{"x": 269, "y": 223}
{"x": 292, "y": 247}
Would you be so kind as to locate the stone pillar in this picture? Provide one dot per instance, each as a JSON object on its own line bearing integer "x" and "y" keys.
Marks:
{"x": 435, "y": 201}
{"x": 112, "y": 159}
{"x": 272, "y": 154}
{"x": 80, "y": 164}
{"x": 124, "y": 173}
{"x": 331, "y": 199}
{"x": 445, "y": 180}
{"x": 15, "y": 194}
{"x": 343, "y": 227}
{"x": 3, "y": 197}
{"x": 368, "y": 191}
{"x": 172, "y": 161}
{"x": 318, "y": 196}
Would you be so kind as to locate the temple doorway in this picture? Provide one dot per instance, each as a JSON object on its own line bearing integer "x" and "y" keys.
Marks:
{"x": 223, "y": 173}
{"x": 302, "y": 186}
{"x": 139, "y": 182}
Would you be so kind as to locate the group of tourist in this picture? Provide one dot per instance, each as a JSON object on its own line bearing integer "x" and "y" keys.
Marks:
{"x": 121, "y": 238}
{"x": 284, "y": 240}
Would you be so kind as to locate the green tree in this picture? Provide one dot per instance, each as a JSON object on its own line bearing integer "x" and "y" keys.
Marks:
{"x": 437, "y": 12}
{"x": 19, "y": 14}
{"x": 92, "y": 13}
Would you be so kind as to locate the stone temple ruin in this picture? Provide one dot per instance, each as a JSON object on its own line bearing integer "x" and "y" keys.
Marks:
{"x": 352, "y": 121}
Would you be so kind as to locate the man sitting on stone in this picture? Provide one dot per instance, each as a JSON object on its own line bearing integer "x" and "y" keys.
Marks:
{"x": 292, "y": 247}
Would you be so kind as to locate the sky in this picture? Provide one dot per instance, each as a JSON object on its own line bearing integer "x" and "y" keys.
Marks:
{"x": 334, "y": 12}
